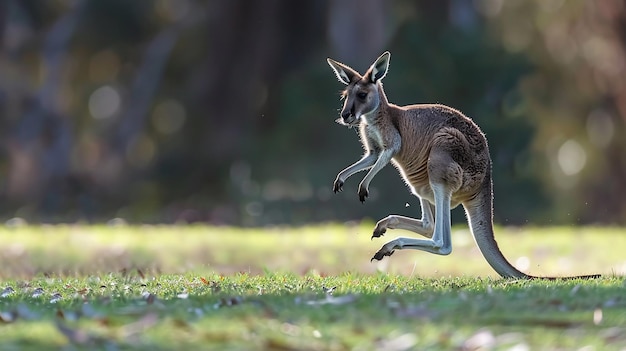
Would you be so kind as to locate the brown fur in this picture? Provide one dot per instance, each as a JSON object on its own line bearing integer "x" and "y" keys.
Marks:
{"x": 441, "y": 154}
{"x": 448, "y": 131}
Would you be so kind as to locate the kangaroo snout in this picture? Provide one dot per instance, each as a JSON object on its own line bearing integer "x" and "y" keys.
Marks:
{"x": 350, "y": 120}
{"x": 348, "y": 116}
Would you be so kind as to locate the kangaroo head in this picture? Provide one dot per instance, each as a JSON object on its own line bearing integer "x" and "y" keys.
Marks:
{"x": 361, "y": 95}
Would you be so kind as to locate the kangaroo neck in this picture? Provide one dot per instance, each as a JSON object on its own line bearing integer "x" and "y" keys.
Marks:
{"x": 381, "y": 94}
{"x": 383, "y": 105}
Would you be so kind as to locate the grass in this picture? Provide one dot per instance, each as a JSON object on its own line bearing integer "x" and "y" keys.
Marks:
{"x": 310, "y": 288}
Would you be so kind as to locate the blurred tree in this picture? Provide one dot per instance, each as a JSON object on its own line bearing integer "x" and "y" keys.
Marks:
{"x": 575, "y": 98}
{"x": 222, "y": 110}
{"x": 39, "y": 146}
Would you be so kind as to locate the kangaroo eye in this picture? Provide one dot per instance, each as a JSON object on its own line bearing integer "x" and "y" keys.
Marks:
{"x": 361, "y": 95}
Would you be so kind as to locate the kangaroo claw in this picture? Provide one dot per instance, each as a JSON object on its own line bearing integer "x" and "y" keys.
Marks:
{"x": 381, "y": 253}
{"x": 363, "y": 193}
{"x": 378, "y": 232}
{"x": 337, "y": 186}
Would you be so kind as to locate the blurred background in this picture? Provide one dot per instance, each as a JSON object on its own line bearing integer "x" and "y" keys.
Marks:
{"x": 164, "y": 111}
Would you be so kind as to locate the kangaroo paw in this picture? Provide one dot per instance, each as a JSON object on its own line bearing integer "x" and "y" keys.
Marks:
{"x": 363, "y": 193}
{"x": 337, "y": 186}
{"x": 378, "y": 231}
{"x": 382, "y": 253}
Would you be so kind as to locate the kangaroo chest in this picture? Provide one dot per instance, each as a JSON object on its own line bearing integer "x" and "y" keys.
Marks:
{"x": 372, "y": 137}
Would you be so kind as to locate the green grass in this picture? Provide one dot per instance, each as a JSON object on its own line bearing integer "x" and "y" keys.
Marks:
{"x": 310, "y": 288}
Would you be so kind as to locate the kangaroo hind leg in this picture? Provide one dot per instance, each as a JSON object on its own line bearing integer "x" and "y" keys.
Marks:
{"x": 445, "y": 178}
{"x": 422, "y": 226}
{"x": 440, "y": 243}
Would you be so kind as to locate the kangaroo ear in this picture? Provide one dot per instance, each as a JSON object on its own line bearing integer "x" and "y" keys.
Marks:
{"x": 344, "y": 73}
{"x": 380, "y": 67}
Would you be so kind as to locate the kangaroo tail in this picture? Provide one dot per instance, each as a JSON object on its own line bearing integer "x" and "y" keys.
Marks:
{"x": 480, "y": 217}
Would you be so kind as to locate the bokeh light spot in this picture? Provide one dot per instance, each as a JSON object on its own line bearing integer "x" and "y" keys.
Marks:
{"x": 600, "y": 128}
{"x": 571, "y": 157}
{"x": 104, "y": 102}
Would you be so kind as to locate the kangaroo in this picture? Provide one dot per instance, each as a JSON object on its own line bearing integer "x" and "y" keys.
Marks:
{"x": 440, "y": 153}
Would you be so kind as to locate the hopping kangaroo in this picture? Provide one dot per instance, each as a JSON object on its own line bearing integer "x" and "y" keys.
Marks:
{"x": 441, "y": 154}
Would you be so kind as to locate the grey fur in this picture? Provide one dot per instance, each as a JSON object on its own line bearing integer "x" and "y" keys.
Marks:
{"x": 441, "y": 154}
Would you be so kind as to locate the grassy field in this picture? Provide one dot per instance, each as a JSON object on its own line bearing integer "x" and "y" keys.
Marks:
{"x": 309, "y": 288}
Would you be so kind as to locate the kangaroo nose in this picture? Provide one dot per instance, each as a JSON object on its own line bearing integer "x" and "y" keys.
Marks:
{"x": 346, "y": 113}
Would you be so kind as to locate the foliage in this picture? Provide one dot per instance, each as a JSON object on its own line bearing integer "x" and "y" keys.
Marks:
{"x": 222, "y": 111}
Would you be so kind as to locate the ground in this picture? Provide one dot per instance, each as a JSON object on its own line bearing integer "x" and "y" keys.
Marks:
{"x": 307, "y": 288}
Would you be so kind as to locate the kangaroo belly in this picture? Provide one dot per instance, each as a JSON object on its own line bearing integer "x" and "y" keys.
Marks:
{"x": 416, "y": 177}
{"x": 417, "y": 180}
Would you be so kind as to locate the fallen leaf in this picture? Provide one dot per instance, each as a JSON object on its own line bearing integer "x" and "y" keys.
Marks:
{"x": 37, "y": 292}
{"x": 399, "y": 343}
{"x": 150, "y": 298}
{"x": 482, "y": 340}
{"x": 55, "y": 298}
{"x": 329, "y": 290}
{"x": 389, "y": 287}
{"x": 597, "y": 316}
{"x": 7, "y": 291}
{"x": 8, "y": 316}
